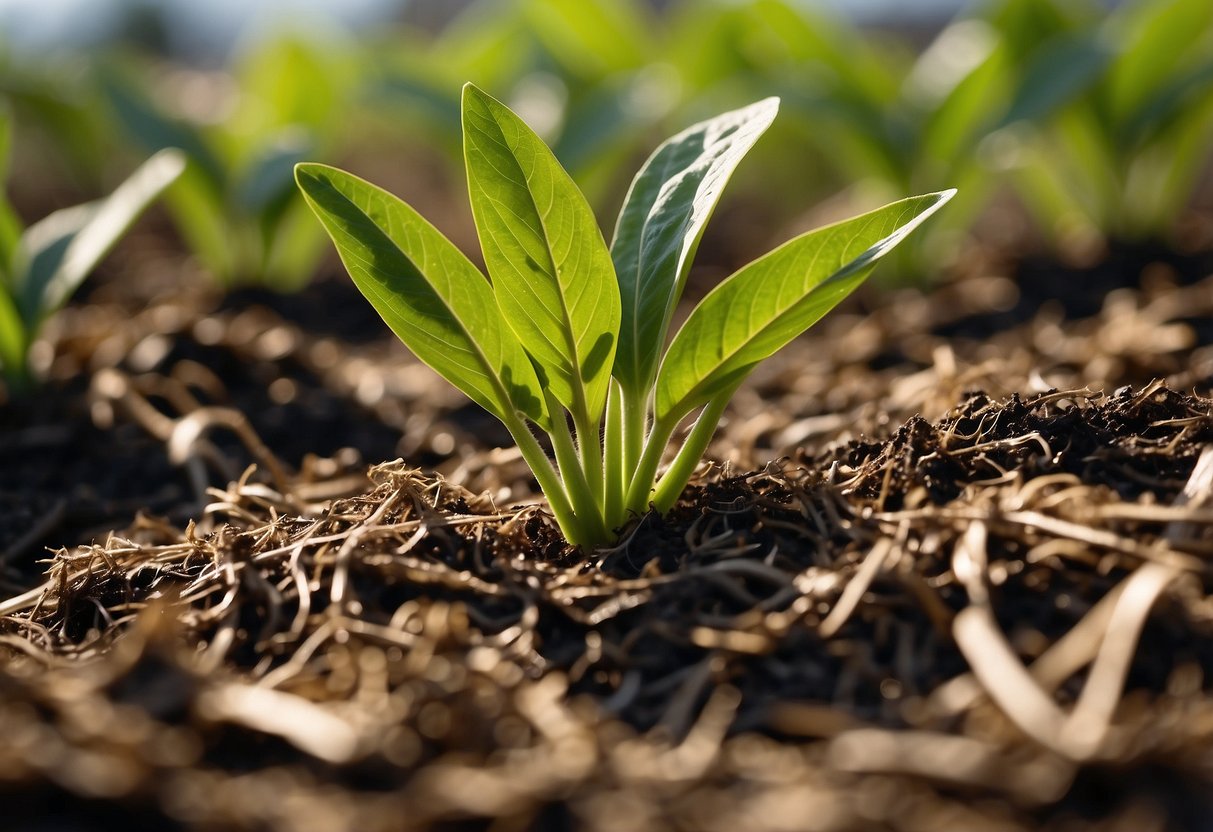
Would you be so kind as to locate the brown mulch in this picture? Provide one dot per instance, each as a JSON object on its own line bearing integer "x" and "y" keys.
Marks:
{"x": 936, "y": 608}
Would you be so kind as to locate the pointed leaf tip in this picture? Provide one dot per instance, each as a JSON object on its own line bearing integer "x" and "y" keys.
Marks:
{"x": 762, "y": 307}
{"x": 662, "y": 221}
{"x": 551, "y": 271}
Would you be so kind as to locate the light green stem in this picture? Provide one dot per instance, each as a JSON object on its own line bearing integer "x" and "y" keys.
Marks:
{"x": 614, "y": 479}
{"x": 635, "y": 424}
{"x": 646, "y": 469}
{"x": 549, "y": 482}
{"x": 635, "y": 429}
{"x": 589, "y": 447}
{"x": 676, "y": 477}
{"x": 576, "y": 484}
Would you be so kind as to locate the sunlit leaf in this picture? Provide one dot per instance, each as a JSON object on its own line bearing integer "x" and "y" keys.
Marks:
{"x": 662, "y": 221}
{"x": 12, "y": 336}
{"x": 766, "y": 304}
{"x": 1156, "y": 38}
{"x": 551, "y": 271}
{"x": 57, "y": 253}
{"x": 425, "y": 289}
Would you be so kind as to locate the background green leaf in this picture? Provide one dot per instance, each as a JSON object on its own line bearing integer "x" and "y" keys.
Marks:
{"x": 425, "y": 289}
{"x": 267, "y": 184}
{"x": 1159, "y": 41}
{"x": 1060, "y": 72}
{"x": 662, "y": 221}
{"x": 955, "y": 119}
{"x": 552, "y": 273}
{"x": 12, "y": 337}
{"x": 295, "y": 246}
{"x": 40, "y": 251}
{"x": 57, "y": 253}
{"x": 766, "y": 304}
{"x": 10, "y": 225}
{"x": 592, "y": 37}
{"x": 155, "y": 131}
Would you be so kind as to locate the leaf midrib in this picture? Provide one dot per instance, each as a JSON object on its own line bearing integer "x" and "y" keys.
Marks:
{"x": 644, "y": 227}
{"x": 378, "y": 289}
{"x": 837, "y": 274}
{"x": 568, "y": 332}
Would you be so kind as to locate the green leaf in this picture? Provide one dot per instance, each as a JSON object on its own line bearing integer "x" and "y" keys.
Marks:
{"x": 426, "y": 103}
{"x": 960, "y": 96}
{"x": 57, "y": 253}
{"x": 662, "y": 221}
{"x": 602, "y": 125}
{"x": 488, "y": 42}
{"x": 592, "y": 38}
{"x": 40, "y": 252}
{"x": 10, "y": 224}
{"x": 156, "y": 131}
{"x": 1061, "y": 71}
{"x": 954, "y": 128}
{"x": 295, "y": 248}
{"x": 1170, "y": 106}
{"x": 1146, "y": 33}
{"x": 269, "y": 180}
{"x": 426, "y": 290}
{"x": 10, "y": 236}
{"x": 766, "y": 304}
{"x": 289, "y": 81}
{"x": 265, "y": 194}
{"x": 551, "y": 271}
{"x": 13, "y": 336}
{"x": 200, "y": 213}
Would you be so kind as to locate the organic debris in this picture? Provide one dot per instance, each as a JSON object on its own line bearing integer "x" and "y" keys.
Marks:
{"x": 1002, "y": 618}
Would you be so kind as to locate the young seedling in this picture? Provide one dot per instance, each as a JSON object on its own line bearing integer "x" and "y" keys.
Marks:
{"x": 41, "y": 266}
{"x": 236, "y": 205}
{"x": 568, "y": 335}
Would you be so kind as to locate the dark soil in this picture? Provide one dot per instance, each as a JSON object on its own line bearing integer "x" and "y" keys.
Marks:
{"x": 889, "y": 621}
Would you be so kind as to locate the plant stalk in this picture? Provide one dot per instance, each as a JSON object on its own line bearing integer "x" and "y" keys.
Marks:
{"x": 676, "y": 477}
{"x": 635, "y": 424}
{"x": 640, "y": 491}
{"x": 549, "y": 482}
{"x": 576, "y": 483}
{"x": 589, "y": 448}
{"x": 614, "y": 478}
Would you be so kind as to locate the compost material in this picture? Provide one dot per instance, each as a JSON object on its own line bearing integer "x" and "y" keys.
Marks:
{"x": 944, "y": 579}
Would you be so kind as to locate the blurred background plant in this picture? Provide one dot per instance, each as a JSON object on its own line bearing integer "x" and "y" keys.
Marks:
{"x": 1110, "y": 128}
{"x": 42, "y": 265}
{"x": 1064, "y": 123}
{"x": 243, "y": 132}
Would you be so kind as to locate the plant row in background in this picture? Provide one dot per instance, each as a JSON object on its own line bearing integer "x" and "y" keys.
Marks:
{"x": 1100, "y": 121}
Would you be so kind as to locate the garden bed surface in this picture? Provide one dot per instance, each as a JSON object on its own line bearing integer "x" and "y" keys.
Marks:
{"x": 954, "y": 574}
